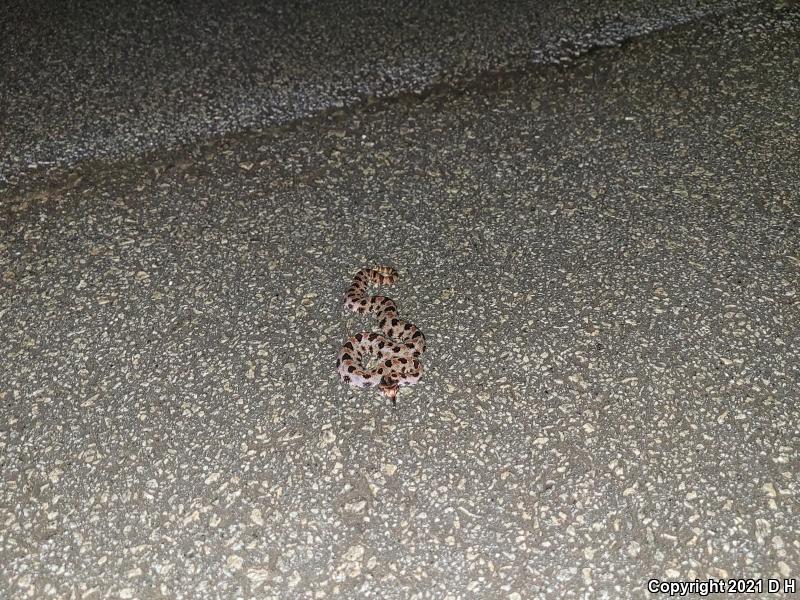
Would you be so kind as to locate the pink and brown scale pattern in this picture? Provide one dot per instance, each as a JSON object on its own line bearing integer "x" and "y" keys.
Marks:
{"x": 395, "y": 351}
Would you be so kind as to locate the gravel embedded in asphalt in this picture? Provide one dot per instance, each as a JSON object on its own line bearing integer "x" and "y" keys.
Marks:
{"x": 114, "y": 79}
{"x": 604, "y": 260}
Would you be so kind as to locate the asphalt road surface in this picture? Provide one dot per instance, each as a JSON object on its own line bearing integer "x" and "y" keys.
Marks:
{"x": 603, "y": 257}
{"x": 115, "y": 78}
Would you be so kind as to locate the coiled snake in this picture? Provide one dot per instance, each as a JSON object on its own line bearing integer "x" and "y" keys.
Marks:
{"x": 388, "y": 360}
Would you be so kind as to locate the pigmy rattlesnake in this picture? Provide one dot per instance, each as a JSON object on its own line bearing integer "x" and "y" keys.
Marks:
{"x": 388, "y": 360}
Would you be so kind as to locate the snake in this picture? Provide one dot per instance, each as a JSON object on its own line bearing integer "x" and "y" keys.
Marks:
{"x": 389, "y": 358}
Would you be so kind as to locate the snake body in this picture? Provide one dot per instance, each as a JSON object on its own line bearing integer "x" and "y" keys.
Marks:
{"x": 389, "y": 359}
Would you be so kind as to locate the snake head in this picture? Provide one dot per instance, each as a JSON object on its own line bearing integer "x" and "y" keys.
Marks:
{"x": 390, "y": 391}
